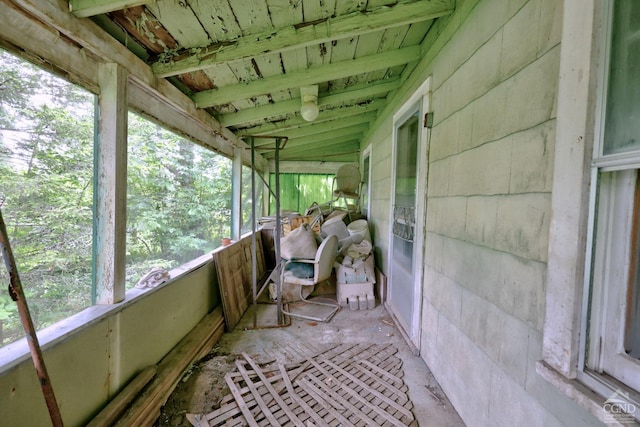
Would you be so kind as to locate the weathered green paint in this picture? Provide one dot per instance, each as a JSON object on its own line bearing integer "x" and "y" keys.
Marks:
{"x": 332, "y": 125}
{"x": 321, "y": 139}
{"x": 343, "y": 146}
{"x": 85, "y": 8}
{"x": 313, "y": 75}
{"x": 293, "y": 106}
{"x": 297, "y": 122}
{"x": 180, "y": 22}
{"x": 217, "y": 18}
{"x": 111, "y": 186}
{"x": 119, "y": 34}
{"x": 290, "y": 37}
{"x": 439, "y": 35}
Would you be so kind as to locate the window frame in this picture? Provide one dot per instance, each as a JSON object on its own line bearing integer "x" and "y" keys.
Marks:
{"x": 579, "y": 130}
{"x": 601, "y": 327}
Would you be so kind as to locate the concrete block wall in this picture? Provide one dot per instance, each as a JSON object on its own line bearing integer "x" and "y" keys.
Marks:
{"x": 488, "y": 211}
{"x": 495, "y": 71}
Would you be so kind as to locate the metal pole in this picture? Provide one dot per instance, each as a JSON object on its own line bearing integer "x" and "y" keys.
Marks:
{"x": 278, "y": 235}
{"x": 17, "y": 294}
{"x": 254, "y": 261}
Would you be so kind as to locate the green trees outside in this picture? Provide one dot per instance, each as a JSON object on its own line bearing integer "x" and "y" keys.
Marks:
{"x": 299, "y": 191}
{"x": 46, "y": 171}
{"x": 178, "y": 197}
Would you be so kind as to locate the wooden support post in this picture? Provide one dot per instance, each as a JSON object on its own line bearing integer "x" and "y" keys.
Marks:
{"x": 236, "y": 195}
{"x": 111, "y": 185}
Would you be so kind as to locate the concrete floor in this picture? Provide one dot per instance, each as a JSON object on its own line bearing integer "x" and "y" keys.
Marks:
{"x": 304, "y": 338}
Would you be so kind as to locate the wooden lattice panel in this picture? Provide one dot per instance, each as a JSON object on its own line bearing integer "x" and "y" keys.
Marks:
{"x": 349, "y": 385}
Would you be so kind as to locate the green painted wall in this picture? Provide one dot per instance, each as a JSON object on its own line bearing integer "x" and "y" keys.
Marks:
{"x": 90, "y": 365}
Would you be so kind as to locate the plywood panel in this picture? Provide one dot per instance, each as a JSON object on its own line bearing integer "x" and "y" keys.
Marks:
{"x": 233, "y": 265}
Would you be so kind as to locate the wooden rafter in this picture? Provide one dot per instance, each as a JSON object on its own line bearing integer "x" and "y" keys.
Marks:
{"x": 86, "y": 8}
{"x": 331, "y": 126}
{"x": 339, "y": 147}
{"x": 312, "y": 75}
{"x": 339, "y": 114}
{"x": 294, "y": 37}
{"x": 291, "y": 106}
{"x": 341, "y": 135}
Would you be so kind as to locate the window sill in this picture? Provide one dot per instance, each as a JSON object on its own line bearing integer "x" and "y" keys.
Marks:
{"x": 18, "y": 351}
{"x": 588, "y": 399}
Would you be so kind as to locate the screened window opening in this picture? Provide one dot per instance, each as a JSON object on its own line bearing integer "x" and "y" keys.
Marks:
{"x": 46, "y": 193}
{"x": 246, "y": 198}
{"x": 298, "y": 192}
{"x": 178, "y": 199}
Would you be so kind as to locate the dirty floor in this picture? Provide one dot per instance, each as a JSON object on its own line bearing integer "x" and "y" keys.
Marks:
{"x": 203, "y": 385}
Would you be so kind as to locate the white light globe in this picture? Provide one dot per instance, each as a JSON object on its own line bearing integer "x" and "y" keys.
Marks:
{"x": 309, "y": 111}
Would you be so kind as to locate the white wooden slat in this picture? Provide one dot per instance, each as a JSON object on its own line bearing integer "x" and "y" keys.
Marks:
{"x": 328, "y": 401}
{"x": 273, "y": 392}
{"x": 284, "y": 12}
{"x": 312, "y": 413}
{"x": 256, "y": 395}
{"x": 344, "y": 7}
{"x": 181, "y": 22}
{"x": 357, "y": 381}
{"x": 356, "y": 385}
{"x": 217, "y": 19}
{"x": 252, "y": 15}
{"x": 314, "y": 10}
{"x": 328, "y": 392}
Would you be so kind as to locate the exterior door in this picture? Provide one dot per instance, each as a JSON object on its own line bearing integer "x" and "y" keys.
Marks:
{"x": 402, "y": 283}
{"x": 408, "y": 213}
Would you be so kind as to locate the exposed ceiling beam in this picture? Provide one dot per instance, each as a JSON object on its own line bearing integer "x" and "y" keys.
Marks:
{"x": 320, "y": 148}
{"x": 291, "y": 106}
{"x": 310, "y": 151}
{"x": 307, "y": 167}
{"x": 328, "y": 126}
{"x": 294, "y": 37}
{"x": 325, "y": 138}
{"x": 85, "y": 8}
{"x": 282, "y": 127}
{"x": 312, "y": 75}
{"x": 118, "y": 33}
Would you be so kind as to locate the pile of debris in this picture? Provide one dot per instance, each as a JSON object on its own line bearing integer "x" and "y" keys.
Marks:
{"x": 354, "y": 261}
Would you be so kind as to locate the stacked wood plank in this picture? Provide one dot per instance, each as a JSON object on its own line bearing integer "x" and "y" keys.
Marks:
{"x": 146, "y": 406}
{"x": 348, "y": 385}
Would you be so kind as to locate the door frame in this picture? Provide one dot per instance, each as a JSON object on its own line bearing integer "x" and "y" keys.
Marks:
{"x": 367, "y": 153}
{"x": 421, "y": 99}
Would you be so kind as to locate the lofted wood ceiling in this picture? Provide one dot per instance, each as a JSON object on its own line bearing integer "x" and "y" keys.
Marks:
{"x": 244, "y": 61}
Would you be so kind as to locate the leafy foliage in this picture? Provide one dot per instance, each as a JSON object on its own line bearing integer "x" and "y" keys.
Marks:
{"x": 299, "y": 191}
{"x": 178, "y": 197}
{"x": 45, "y": 181}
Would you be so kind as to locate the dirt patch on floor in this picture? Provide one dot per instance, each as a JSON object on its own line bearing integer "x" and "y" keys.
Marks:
{"x": 199, "y": 391}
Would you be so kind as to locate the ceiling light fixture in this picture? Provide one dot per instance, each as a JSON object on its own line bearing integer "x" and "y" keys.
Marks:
{"x": 309, "y": 109}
